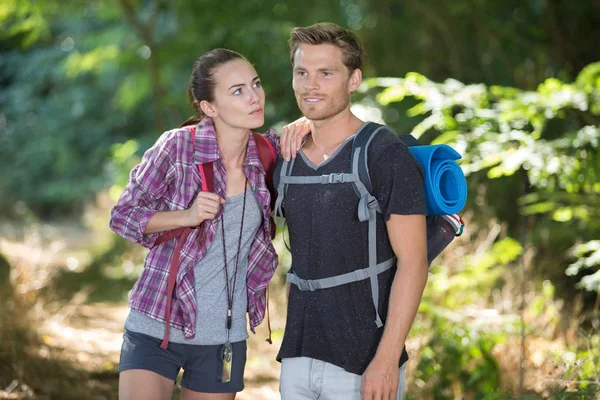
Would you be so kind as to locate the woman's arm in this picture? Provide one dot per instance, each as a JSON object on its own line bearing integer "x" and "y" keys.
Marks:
{"x": 205, "y": 207}
{"x": 139, "y": 202}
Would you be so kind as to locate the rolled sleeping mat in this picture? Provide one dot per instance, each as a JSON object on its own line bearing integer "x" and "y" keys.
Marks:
{"x": 445, "y": 182}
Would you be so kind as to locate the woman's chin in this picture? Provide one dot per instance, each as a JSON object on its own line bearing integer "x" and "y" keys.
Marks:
{"x": 257, "y": 124}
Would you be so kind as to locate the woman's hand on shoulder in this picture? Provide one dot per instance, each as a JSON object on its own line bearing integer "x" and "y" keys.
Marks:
{"x": 292, "y": 137}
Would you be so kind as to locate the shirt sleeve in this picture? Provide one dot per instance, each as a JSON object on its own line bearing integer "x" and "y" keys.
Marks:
{"x": 398, "y": 182}
{"x": 273, "y": 137}
{"x": 148, "y": 182}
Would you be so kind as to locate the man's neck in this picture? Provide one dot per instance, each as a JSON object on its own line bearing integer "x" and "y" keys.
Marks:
{"x": 330, "y": 133}
{"x": 233, "y": 143}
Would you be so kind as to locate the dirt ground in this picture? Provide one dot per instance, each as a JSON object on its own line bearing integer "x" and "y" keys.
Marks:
{"x": 87, "y": 335}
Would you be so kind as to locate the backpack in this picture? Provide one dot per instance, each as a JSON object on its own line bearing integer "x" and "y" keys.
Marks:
{"x": 267, "y": 156}
{"x": 442, "y": 227}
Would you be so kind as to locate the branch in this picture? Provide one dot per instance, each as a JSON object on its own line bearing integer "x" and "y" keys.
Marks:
{"x": 132, "y": 19}
{"x": 145, "y": 33}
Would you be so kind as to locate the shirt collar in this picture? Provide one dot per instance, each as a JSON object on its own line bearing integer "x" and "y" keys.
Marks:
{"x": 207, "y": 147}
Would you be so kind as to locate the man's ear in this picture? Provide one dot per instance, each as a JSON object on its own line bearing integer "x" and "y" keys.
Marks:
{"x": 208, "y": 109}
{"x": 355, "y": 80}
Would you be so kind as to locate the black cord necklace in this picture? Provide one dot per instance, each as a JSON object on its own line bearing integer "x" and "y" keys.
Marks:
{"x": 227, "y": 348}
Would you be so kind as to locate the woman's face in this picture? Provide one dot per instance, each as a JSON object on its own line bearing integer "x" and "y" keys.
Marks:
{"x": 239, "y": 98}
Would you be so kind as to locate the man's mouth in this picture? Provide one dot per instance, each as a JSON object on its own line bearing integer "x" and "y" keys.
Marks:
{"x": 312, "y": 100}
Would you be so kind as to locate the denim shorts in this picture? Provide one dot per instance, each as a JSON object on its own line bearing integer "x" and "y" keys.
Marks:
{"x": 202, "y": 365}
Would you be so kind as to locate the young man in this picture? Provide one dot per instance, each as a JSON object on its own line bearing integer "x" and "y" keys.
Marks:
{"x": 332, "y": 346}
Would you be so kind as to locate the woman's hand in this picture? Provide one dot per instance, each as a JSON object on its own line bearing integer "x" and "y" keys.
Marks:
{"x": 292, "y": 137}
{"x": 205, "y": 207}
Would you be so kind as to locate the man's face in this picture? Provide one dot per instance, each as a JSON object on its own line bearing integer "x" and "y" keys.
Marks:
{"x": 322, "y": 83}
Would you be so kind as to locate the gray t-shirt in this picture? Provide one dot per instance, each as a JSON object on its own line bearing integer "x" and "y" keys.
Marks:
{"x": 209, "y": 276}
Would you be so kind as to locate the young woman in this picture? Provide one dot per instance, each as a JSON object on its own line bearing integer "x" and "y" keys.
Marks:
{"x": 188, "y": 308}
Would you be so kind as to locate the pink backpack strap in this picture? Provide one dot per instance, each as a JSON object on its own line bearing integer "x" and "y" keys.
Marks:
{"x": 207, "y": 177}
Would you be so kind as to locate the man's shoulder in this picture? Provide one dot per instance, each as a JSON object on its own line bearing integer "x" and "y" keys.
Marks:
{"x": 385, "y": 140}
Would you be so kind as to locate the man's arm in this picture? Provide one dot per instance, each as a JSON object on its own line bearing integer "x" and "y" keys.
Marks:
{"x": 408, "y": 238}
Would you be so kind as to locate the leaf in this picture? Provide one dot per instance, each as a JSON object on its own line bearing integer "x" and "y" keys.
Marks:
{"x": 391, "y": 95}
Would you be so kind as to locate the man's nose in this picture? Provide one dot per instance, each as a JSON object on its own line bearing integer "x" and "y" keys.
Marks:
{"x": 311, "y": 83}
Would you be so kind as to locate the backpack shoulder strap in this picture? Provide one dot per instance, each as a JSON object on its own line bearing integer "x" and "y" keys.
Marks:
{"x": 208, "y": 185}
{"x": 358, "y": 157}
{"x": 268, "y": 157}
{"x": 283, "y": 171}
{"x": 206, "y": 170}
{"x": 266, "y": 151}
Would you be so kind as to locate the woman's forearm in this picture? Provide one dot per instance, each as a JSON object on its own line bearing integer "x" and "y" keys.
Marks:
{"x": 167, "y": 220}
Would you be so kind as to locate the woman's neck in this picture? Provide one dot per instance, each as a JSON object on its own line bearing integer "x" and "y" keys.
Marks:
{"x": 233, "y": 143}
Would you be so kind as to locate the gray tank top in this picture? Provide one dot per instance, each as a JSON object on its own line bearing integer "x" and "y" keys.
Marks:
{"x": 209, "y": 275}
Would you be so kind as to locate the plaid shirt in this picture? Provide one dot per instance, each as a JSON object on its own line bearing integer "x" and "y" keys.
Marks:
{"x": 168, "y": 179}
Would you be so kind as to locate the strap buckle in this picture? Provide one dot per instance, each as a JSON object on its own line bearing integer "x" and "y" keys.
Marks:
{"x": 372, "y": 202}
{"x": 332, "y": 178}
{"x": 306, "y": 284}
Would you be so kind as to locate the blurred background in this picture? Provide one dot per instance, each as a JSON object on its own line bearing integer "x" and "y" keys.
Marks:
{"x": 511, "y": 309}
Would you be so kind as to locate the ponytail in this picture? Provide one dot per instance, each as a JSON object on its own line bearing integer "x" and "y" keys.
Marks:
{"x": 195, "y": 120}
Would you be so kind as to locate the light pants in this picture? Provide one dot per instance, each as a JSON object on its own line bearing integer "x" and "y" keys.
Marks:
{"x": 304, "y": 378}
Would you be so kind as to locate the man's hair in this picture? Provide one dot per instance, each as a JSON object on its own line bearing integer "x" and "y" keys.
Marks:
{"x": 329, "y": 33}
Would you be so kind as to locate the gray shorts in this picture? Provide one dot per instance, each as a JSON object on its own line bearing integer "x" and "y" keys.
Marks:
{"x": 202, "y": 365}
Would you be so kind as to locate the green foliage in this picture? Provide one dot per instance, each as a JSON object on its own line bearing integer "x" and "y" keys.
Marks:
{"x": 124, "y": 158}
{"x": 78, "y": 77}
{"x": 465, "y": 344}
{"x": 460, "y": 343}
{"x": 588, "y": 256}
{"x": 549, "y": 136}
{"x": 87, "y": 87}
{"x": 459, "y": 354}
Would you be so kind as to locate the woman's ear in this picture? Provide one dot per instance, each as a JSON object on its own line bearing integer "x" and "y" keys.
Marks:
{"x": 208, "y": 109}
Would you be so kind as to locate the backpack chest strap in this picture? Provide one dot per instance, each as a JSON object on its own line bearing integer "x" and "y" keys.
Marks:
{"x": 323, "y": 179}
{"x": 338, "y": 280}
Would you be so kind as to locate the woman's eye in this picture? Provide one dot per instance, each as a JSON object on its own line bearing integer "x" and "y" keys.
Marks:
{"x": 257, "y": 84}
{"x": 238, "y": 91}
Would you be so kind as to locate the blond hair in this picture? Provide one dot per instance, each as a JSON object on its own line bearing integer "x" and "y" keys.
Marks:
{"x": 329, "y": 33}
